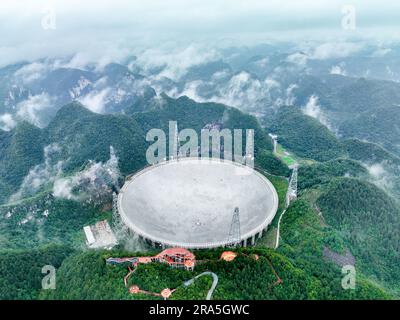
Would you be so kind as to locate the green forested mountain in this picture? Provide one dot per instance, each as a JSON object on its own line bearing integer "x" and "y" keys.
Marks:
{"x": 322, "y": 173}
{"x": 357, "y": 107}
{"x": 364, "y": 216}
{"x": 267, "y": 161}
{"x": 384, "y": 166}
{"x": 369, "y": 152}
{"x": 337, "y": 209}
{"x": 380, "y": 126}
{"x": 41, "y": 220}
{"x": 21, "y": 149}
{"x": 369, "y": 220}
{"x": 84, "y": 135}
{"x": 81, "y": 136}
{"x": 21, "y": 270}
{"x": 304, "y": 237}
{"x": 86, "y": 276}
{"x": 303, "y": 135}
{"x": 194, "y": 115}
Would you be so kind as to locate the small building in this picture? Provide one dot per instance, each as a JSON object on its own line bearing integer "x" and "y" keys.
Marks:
{"x": 174, "y": 257}
{"x": 90, "y": 240}
{"x": 177, "y": 257}
{"x": 100, "y": 235}
{"x": 228, "y": 256}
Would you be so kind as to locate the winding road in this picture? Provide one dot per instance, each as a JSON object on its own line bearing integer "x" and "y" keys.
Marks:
{"x": 289, "y": 196}
{"x": 279, "y": 230}
{"x": 213, "y": 286}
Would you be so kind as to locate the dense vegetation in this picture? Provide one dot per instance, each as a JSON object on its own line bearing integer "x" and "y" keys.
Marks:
{"x": 194, "y": 115}
{"x": 86, "y": 135}
{"x": 303, "y": 135}
{"x": 322, "y": 173}
{"x": 368, "y": 152}
{"x": 380, "y": 126}
{"x": 21, "y": 270}
{"x": 86, "y": 276}
{"x": 374, "y": 156}
{"x": 304, "y": 237}
{"x": 21, "y": 149}
{"x": 83, "y": 135}
{"x": 24, "y": 225}
{"x": 369, "y": 221}
{"x": 334, "y": 211}
{"x": 357, "y": 107}
{"x": 267, "y": 161}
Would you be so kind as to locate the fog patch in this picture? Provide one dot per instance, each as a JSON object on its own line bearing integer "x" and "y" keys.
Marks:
{"x": 289, "y": 98}
{"x": 41, "y": 175}
{"x": 338, "y": 70}
{"x": 129, "y": 240}
{"x": 190, "y": 90}
{"x": 244, "y": 91}
{"x": 31, "y": 72}
{"x": 94, "y": 184}
{"x": 34, "y": 109}
{"x": 380, "y": 176}
{"x": 174, "y": 65}
{"x": 335, "y": 50}
{"x": 300, "y": 59}
{"x": 7, "y": 122}
{"x": 313, "y": 109}
{"x": 95, "y": 101}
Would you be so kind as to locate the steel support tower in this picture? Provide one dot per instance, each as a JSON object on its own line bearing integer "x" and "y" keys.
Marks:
{"x": 234, "y": 232}
{"x": 115, "y": 204}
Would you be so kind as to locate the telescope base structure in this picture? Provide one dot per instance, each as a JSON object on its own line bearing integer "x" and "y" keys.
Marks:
{"x": 189, "y": 203}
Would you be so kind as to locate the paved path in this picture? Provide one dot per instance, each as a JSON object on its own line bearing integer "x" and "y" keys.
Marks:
{"x": 214, "y": 284}
{"x": 279, "y": 228}
{"x": 287, "y": 203}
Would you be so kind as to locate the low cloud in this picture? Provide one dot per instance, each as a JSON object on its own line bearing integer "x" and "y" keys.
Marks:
{"x": 31, "y": 72}
{"x": 381, "y": 52}
{"x": 41, "y": 175}
{"x": 34, "y": 109}
{"x": 7, "y": 122}
{"x": 92, "y": 184}
{"x": 290, "y": 97}
{"x": 298, "y": 58}
{"x": 96, "y": 100}
{"x": 241, "y": 90}
{"x": 381, "y": 177}
{"x": 313, "y": 109}
{"x": 190, "y": 90}
{"x": 175, "y": 64}
{"x": 335, "y": 50}
{"x": 338, "y": 70}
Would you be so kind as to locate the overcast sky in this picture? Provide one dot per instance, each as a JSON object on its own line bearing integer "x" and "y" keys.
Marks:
{"x": 114, "y": 28}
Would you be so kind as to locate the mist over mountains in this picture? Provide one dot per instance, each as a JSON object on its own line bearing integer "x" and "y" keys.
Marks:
{"x": 350, "y": 87}
{"x": 73, "y": 129}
